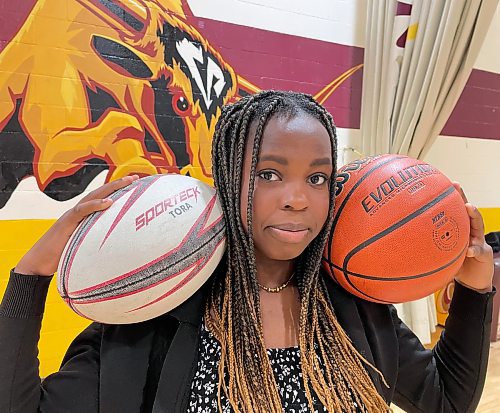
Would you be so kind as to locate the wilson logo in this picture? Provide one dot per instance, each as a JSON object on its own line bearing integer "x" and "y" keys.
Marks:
{"x": 393, "y": 185}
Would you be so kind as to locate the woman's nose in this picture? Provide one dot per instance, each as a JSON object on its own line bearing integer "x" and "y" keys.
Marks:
{"x": 294, "y": 197}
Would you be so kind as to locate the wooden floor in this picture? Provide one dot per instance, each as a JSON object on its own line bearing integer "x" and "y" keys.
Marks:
{"x": 490, "y": 400}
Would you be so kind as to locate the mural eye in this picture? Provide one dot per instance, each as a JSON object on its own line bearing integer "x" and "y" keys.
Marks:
{"x": 181, "y": 104}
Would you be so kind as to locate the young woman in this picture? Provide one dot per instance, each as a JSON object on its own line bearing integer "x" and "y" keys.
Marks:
{"x": 269, "y": 332}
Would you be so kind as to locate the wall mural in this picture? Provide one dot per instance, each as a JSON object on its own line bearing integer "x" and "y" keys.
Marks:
{"x": 132, "y": 88}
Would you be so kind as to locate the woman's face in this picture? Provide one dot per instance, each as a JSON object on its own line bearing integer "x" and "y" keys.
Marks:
{"x": 291, "y": 195}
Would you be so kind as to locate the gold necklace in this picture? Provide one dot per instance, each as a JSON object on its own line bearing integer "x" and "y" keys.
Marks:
{"x": 276, "y": 289}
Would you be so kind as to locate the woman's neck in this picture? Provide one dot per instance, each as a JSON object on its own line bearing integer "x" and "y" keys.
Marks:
{"x": 273, "y": 273}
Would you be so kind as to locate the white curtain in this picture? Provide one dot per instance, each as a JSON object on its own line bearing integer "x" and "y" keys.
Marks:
{"x": 418, "y": 57}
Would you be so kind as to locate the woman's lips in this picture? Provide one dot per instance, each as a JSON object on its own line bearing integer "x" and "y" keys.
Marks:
{"x": 292, "y": 237}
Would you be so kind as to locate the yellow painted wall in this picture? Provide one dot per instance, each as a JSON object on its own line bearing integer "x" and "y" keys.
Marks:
{"x": 491, "y": 219}
{"x": 60, "y": 324}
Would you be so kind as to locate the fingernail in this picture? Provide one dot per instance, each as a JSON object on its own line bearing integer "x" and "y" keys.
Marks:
{"x": 106, "y": 200}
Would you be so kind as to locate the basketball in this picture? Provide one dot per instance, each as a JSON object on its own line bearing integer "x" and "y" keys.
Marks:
{"x": 400, "y": 229}
{"x": 156, "y": 245}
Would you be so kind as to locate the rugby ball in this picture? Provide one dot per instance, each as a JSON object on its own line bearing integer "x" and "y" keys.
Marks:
{"x": 152, "y": 249}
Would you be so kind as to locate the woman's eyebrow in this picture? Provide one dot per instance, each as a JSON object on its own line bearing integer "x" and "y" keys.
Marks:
{"x": 275, "y": 158}
{"x": 321, "y": 161}
{"x": 284, "y": 161}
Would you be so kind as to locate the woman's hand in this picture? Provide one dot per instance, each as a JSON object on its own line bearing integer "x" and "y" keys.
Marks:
{"x": 43, "y": 258}
{"x": 477, "y": 269}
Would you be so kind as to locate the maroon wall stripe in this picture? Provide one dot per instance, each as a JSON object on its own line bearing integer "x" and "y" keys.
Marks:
{"x": 273, "y": 60}
{"x": 12, "y": 16}
{"x": 477, "y": 113}
{"x": 281, "y": 61}
{"x": 268, "y": 59}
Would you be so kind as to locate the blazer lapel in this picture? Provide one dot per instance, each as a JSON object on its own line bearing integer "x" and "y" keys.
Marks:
{"x": 178, "y": 368}
{"x": 349, "y": 318}
{"x": 125, "y": 353}
{"x": 174, "y": 385}
{"x": 124, "y": 365}
{"x": 382, "y": 340}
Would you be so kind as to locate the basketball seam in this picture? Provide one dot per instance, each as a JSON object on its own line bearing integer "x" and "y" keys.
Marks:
{"x": 400, "y": 278}
{"x": 348, "y": 196}
{"x": 376, "y": 237}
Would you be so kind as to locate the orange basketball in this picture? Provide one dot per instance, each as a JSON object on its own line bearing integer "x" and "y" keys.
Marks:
{"x": 400, "y": 229}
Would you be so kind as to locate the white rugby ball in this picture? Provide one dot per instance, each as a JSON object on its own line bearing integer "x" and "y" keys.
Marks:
{"x": 147, "y": 253}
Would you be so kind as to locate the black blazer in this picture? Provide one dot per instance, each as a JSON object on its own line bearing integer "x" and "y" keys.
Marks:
{"x": 120, "y": 368}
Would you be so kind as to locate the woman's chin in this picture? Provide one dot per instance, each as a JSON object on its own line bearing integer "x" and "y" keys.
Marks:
{"x": 285, "y": 253}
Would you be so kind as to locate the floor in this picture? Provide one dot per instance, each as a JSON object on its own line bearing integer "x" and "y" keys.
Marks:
{"x": 490, "y": 400}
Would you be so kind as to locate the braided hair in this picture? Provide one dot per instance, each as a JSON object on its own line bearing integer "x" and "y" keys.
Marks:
{"x": 330, "y": 364}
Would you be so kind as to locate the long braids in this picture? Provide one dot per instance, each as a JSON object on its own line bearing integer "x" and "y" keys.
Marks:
{"x": 330, "y": 364}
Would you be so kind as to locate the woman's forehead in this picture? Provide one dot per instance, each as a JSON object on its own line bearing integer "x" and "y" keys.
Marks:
{"x": 303, "y": 133}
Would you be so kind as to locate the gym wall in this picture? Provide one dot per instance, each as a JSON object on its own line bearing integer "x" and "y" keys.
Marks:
{"x": 92, "y": 90}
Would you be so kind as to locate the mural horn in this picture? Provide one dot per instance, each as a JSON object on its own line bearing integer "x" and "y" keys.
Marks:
{"x": 246, "y": 87}
{"x": 327, "y": 91}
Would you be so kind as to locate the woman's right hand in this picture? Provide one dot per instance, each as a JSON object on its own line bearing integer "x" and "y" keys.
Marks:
{"x": 43, "y": 258}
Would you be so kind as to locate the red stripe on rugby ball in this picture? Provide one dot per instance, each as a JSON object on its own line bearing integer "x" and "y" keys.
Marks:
{"x": 182, "y": 283}
{"x": 132, "y": 199}
{"x": 204, "y": 215}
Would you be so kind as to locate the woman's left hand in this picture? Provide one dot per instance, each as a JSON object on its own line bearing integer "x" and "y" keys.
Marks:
{"x": 477, "y": 270}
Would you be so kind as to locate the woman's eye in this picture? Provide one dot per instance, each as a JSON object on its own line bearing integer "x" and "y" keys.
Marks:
{"x": 318, "y": 179}
{"x": 268, "y": 176}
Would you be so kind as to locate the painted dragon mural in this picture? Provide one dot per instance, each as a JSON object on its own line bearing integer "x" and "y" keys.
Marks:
{"x": 127, "y": 86}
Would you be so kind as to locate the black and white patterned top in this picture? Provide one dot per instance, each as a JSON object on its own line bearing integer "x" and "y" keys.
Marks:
{"x": 285, "y": 363}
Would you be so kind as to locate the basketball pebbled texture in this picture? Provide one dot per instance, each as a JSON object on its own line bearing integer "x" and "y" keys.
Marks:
{"x": 400, "y": 229}
{"x": 151, "y": 250}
